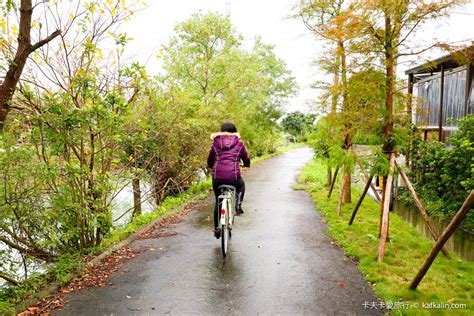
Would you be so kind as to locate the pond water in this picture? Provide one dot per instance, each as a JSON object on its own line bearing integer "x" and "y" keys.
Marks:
{"x": 122, "y": 209}
{"x": 122, "y": 204}
{"x": 461, "y": 242}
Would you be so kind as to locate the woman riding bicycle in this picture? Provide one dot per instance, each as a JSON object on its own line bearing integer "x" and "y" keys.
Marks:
{"x": 224, "y": 158}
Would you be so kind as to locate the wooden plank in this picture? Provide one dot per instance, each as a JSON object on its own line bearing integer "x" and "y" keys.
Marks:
{"x": 385, "y": 210}
{"x": 457, "y": 219}
{"x": 421, "y": 208}
{"x": 366, "y": 188}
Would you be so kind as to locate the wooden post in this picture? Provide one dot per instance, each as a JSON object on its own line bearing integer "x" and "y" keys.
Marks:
{"x": 333, "y": 182}
{"x": 385, "y": 210}
{"x": 410, "y": 97}
{"x": 465, "y": 208}
{"x": 422, "y": 210}
{"x": 411, "y": 80}
{"x": 384, "y": 184}
{"x": 468, "y": 88}
{"x": 377, "y": 196}
{"x": 441, "y": 105}
{"x": 366, "y": 188}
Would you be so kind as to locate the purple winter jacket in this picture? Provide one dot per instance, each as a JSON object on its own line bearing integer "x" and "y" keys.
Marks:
{"x": 225, "y": 154}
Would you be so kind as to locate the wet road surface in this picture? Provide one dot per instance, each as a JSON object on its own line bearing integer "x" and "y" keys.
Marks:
{"x": 280, "y": 263}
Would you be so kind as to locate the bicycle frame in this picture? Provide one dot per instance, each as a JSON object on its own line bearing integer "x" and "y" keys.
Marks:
{"x": 227, "y": 203}
{"x": 226, "y": 214}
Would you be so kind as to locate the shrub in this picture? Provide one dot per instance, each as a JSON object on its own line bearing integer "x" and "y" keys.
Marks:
{"x": 444, "y": 175}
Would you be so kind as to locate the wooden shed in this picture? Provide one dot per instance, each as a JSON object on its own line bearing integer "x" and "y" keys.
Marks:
{"x": 442, "y": 91}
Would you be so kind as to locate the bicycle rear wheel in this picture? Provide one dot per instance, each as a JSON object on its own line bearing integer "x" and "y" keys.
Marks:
{"x": 224, "y": 239}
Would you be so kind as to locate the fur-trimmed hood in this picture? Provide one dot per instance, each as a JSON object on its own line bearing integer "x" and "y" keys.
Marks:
{"x": 225, "y": 141}
{"x": 214, "y": 135}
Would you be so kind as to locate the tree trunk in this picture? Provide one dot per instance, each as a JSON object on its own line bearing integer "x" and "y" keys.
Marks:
{"x": 137, "y": 197}
{"x": 329, "y": 177}
{"x": 335, "y": 96}
{"x": 341, "y": 196}
{"x": 385, "y": 211}
{"x": 347, "y": 174}
{"x": 342, "y": 54}
{"x": 347, "y": 187}
{"x": 388, "y": 144}
{"x": 390, "y": 82}
{"x": 15, "y": 68}
{"x": 347, "y": 140}
{"x": 9, "y": 279}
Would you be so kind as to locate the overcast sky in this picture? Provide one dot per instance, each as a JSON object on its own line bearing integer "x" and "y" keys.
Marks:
{"x": 153, "y": 27}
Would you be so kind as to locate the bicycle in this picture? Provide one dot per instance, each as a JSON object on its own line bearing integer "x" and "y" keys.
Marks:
{"x": 227, "y": 202}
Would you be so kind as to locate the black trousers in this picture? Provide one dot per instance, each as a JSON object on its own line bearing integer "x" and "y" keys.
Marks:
{"x": 238, "y": 184}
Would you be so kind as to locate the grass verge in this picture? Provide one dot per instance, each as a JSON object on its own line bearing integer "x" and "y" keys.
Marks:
{"x": 449, "y": 281}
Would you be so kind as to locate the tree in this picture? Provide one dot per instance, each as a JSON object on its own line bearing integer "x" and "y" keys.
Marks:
{"x": 388, "y": 25}
{"x": 209, "y": 79}
{"x": 297, "y": 123}
{"x": 59, "y": 147}
{"x": 23, "y": 50}
{"x": 87, "y": 123}
{"x": 264, "y": 93}
{"x": 334, "y": 21}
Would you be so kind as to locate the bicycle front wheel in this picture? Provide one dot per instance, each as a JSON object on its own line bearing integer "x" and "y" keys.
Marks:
{"x": 224, "y": 239}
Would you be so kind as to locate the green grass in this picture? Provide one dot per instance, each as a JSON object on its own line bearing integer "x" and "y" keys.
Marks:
{"x": 448, "y": 280}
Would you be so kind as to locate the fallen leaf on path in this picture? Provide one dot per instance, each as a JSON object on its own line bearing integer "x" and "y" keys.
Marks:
{"x": 94, "y": 276}
{"x": 342, "y": 284}
{"x": 97, "y": 275}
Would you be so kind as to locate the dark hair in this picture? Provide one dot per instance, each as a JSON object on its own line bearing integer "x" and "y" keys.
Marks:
{"x": 228, "y": 127}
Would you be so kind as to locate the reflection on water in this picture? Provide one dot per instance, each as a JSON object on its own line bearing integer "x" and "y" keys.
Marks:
{"x": 461, "y": 242}
{"x": 122, "y": 204}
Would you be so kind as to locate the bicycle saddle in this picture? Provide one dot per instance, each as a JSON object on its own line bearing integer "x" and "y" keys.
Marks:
{"x": 226, "y": 187}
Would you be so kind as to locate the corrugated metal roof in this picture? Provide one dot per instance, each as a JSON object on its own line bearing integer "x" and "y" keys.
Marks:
{"x": 452, "y": 60}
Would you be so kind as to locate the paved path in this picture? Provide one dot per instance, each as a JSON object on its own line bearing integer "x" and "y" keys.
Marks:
{"x": 281, "y": 261}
